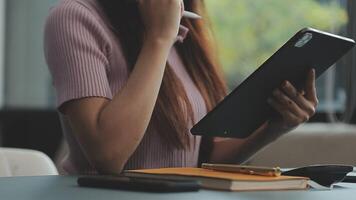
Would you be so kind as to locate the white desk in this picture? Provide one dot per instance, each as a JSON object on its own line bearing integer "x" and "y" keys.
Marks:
{"x": 65, "y": 188}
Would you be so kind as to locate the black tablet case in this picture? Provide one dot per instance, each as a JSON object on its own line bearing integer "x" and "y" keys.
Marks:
{"x": 246, "y": 108}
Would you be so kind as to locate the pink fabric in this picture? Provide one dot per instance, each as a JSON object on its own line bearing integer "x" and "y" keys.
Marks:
{"x": 86, "y": 60}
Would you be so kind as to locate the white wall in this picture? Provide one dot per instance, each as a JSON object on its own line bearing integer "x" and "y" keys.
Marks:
{"x": 28, "y": 83}
{"x": 2, "y": 48}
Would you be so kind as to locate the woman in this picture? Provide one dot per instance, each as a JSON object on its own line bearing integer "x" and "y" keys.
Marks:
{"x": 133, "y": 76}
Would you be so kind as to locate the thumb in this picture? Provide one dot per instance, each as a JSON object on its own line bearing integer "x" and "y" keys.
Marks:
{"x": 310, "y": 87}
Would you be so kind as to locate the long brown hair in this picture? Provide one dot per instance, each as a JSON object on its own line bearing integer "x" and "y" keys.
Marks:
{"x": 173, "y": 111}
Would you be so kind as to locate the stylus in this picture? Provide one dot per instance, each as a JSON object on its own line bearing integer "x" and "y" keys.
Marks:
{"x": 191, "y": 15}
{"x": 244, "y": 169}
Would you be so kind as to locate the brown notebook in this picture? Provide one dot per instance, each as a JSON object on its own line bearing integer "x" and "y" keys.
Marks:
{"x": 211, "y": 179}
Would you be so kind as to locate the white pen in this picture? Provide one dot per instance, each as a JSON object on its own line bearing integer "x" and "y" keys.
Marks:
{"x": 191, "y": 15}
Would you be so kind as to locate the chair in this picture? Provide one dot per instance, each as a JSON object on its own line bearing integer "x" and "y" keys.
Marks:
{"x": 23, "y": 162}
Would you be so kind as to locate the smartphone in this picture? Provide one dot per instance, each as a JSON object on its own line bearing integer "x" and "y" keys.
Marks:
{"x": 139, "y": 184}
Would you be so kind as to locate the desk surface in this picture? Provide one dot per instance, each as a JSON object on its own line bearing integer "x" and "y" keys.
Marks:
{"x": 61, "y": 187}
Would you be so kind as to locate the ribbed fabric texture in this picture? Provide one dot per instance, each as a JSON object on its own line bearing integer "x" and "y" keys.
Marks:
{"x": 86, "y": 60}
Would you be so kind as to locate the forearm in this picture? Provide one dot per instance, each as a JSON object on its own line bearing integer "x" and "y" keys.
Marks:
{"x": 134, "y": 104}
{"x": 122, "y": 123}
{"x": 240, "y": 150}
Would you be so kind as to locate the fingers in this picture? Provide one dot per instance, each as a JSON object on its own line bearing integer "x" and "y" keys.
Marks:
{"x": 295, "y": 107}
{"x": 286, "y": 104}
{"x": 182, "y": 7}
{"x": 289, "y": 117}
{"x": 310, "y": 92}
{"x": 161, "y": 19}
{"x": 298, "y": 98}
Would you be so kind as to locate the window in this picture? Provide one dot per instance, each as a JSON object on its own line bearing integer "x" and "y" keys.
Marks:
{"x": 249, "y": 32}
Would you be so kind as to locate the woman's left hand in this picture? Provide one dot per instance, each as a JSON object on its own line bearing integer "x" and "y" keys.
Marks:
{"x": 295, "y": 107}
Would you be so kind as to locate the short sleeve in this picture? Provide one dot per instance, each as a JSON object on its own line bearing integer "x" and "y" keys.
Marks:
{"x": 74, "y": 45}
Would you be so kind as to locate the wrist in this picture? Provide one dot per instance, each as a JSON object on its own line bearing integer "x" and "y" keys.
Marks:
{"x": 268, "y": 132}
{"x": 159, "y": 41}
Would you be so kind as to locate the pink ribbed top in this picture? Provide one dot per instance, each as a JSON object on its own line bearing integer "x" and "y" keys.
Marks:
{"x": 86, "y": 60}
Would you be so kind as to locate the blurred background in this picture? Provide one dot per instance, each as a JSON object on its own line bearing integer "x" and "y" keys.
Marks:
{"x": 247, "y": 33}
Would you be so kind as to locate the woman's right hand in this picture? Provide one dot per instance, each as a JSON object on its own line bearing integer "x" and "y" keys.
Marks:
{"x": 161, "y": 18}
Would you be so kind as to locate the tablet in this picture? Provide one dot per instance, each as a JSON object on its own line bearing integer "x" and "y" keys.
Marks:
{"x": 245, "y": 109}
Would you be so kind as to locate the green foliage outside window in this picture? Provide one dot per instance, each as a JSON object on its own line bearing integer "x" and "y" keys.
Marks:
{"x": 249, "y": 31}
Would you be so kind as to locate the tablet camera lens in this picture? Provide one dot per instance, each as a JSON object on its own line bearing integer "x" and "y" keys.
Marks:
{"x": 304, "y": 40}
